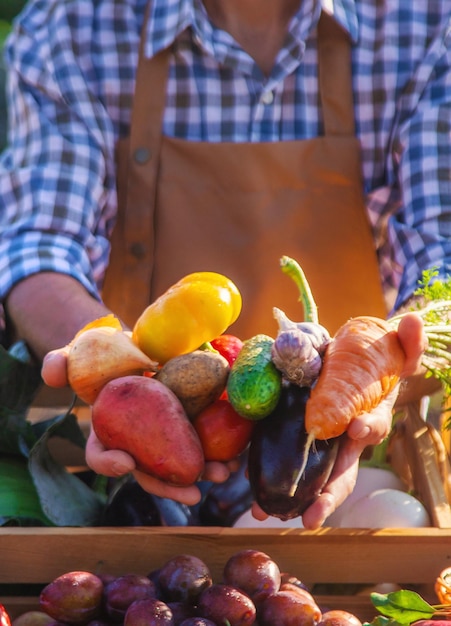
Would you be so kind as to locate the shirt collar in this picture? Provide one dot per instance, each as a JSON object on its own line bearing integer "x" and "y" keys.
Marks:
{"x": 169, "y": 18}
{"x": 344, "y": 11}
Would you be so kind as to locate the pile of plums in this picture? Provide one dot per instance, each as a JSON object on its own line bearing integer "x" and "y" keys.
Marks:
{"x": 252, "y": 592}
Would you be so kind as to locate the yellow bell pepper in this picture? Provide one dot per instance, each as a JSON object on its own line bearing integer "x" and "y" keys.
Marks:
{"x": 198, "y": 308}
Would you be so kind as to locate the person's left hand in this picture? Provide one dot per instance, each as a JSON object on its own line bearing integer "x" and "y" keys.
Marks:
{"x": 365, "y": 430}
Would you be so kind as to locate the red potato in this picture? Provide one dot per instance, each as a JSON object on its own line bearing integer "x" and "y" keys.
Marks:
{"x": 141, "y": 416}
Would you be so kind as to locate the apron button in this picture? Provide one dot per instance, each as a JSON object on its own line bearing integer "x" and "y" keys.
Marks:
{"x": 141, "y": 155}
{"x": 137, "y": 249}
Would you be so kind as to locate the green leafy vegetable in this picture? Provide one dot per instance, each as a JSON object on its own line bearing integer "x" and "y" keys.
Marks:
{"x": 433, "y": 304}
{"x": 20, "y": 504}
{"x": 382, "y": 621}
{"x": 5, "y": 28}
{"x": 34, "y": 488}
{"x": 404, "y": 606}
{"x": 65, "y": 499}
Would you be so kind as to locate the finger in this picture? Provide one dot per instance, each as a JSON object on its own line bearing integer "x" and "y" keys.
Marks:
{"x": 107, "y": 462}
{"x": 413, "y": 339}
{"x": 186, "y": 495}
{"x": 216, "y": 472}
{"x": 372, "y": 428}
{"x": 116, "y": 463}
{"x": 54, "y": 368}
{"x": 258, "y": 513}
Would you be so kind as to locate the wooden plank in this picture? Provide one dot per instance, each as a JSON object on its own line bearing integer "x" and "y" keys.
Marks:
{"x": 325, "y": 556}
{"x": 427, "y": 472}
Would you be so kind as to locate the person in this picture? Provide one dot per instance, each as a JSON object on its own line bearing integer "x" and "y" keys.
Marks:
{"x": 151, "y": 139}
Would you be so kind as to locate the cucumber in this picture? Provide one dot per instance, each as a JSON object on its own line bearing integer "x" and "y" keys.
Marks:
{"x": 254, "y": 384}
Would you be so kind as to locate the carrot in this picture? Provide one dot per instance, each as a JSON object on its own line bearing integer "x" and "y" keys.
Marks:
{"x": 361, "y": 366}
{"x": 363, "y": 362}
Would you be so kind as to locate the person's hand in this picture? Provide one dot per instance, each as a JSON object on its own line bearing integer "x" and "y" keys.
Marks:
{"x": 116, "y": 463}
{"x": 366, "y": 430}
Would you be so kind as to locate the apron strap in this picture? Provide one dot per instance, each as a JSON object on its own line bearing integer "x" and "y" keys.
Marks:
{"x": 145, "y": 142}
{"x": 129, "y": 274}
{"x": 335, "y": 84}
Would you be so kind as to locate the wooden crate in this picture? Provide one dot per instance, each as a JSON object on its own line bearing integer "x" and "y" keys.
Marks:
{"x": 340, "y": 561}
{"x": 340, "y": 565}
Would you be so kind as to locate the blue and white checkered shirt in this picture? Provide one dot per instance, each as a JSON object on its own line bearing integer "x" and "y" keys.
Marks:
{"x": 72, "y": 68}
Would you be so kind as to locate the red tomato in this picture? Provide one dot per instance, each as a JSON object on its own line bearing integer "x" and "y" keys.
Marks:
{"x": 5, "y": 619}
{"x": 228, "y": 346}
{"x": 222, "y": 432}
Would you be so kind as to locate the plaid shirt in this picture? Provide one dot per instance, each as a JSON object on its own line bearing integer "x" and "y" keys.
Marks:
{"x": 72, "y": 68}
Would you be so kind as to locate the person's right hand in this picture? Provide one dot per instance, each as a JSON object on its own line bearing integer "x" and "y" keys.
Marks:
{"x": 116, "y": 463}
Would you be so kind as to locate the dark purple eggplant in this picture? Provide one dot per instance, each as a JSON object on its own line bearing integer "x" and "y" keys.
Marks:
{"x": 225, "y": 502}
{"x": 130, "y": 505}
{"x": 276, "y": 453}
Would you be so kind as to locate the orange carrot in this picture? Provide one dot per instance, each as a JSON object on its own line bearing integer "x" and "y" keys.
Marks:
{"x": 361, "y": 366}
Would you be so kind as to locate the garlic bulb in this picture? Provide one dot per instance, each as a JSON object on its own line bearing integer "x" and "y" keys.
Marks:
{"x": 316, "y": 333}
{"x": 293, "y": 355}
{"x": 100, "y": 354}
{"x": 298, "y": 348}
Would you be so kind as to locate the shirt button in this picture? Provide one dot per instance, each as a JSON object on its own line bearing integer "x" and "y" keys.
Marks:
{"x": 141, "y": 155}
{"x": 267, "y": 97}
{"x": 137, "y": 250}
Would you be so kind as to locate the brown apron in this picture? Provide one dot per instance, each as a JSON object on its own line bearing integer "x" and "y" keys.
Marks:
{"x": 236, "y": 208}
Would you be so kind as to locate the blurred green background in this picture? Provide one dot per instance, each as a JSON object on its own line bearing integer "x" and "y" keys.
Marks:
{"x": 8, "y": 10}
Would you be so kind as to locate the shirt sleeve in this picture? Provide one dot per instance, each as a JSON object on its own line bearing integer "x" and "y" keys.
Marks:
{"x": 418, "y": 231}
{"x": 57, "y": 176}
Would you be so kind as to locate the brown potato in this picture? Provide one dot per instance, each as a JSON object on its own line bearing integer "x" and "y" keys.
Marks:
{"x": 197, "y": 379}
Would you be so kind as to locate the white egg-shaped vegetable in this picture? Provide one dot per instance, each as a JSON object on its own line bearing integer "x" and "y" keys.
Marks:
{"x": 247, "y": 520}
{"x": 386, "y": 508}
{"x": 369, "y": 479}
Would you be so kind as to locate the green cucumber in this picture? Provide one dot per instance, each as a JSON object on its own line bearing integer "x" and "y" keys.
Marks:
{"x": 254, "y": 384}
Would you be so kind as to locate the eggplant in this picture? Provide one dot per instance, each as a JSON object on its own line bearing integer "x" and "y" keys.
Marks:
{"x": 225, "y": 502}
{"x": 130, "y": 505}
{"x": 276, "y": 454}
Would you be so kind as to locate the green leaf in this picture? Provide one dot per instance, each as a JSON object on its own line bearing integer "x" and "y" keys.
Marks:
{"x": 5, "y": 28}
{"x": 17, "y": 434}
{"x": 19, "y": 501}
{"x": 431, "y": 289}
{"x": 58, "y": 497}
{"x": 20, "y": 379}
{"x": 405, "y": 606}
{"x": 65, "y": 499}
{"x": 10, "y": 8}
{"x": 382, "y": 621}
